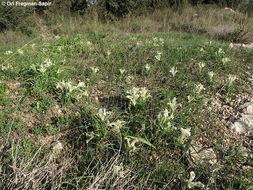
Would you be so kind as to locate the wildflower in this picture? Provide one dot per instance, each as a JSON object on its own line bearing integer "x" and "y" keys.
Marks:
{"x": 231, "y": 79}
{"x": 95, "y": 69}
{"x": 211, "y": 74}
{"x": 21, "y": 52}
{"x": 108, "y": 53}
{"x": 192, "y": 184}
{"x": 80, "y": 85}
{"x": 59, "y": 48}
{"x": 161, "y": 40}
{"x": 190, "y": 98}
{"x": 6, "y": 67}
{"x": 163, "y": 116}
{"x": 144, "y": 93}
{"x": 173, "y": 71}
{"x": 139, "y": 43}
{"x": 133, "y": 95}
{"x": 88, "y": 43}
{"x": 33, "y": 46}
{"x": 66, "y": 85}
{"x": 8, "y": 52}
{"x": 137, "y": 93}
{"x": 57, "y": 37}
{"x": 147, "y": 67}
{"x": 59, "y": 71}
{"x": 48, "y": 63}
{"x": 33, "y": 66}
{"x": 185, "y": 133}
{"x": 173, "y": 105}
{"x": 102, "y": 113}
{"x": 118, "y": 170}
{"x": 231, "y": 45}
{"x": 132, "y": 144}
{"x": 122, "y": 71}
{"x": 225, "y": 60}
{"x": 70, "y": 87}
{"x": 199, "y": 88}
{"x": 201, "y": 65}
{"x": 129, "y": 79}
{"x": 221, "y": 51}
{"x": 60, "y": 85}
{"x": 117, "y": 125}
{"x": 158, "y": 56}
{"x": 201, "y": 50}
{"x": 42, "y": 68}
{"x": 155, "y": 39}
{"x": 80, "y": 95}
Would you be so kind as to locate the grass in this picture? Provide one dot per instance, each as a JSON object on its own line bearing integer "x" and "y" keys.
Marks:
{"x": 219, "y": 23}
{"x": 85, "y": 112}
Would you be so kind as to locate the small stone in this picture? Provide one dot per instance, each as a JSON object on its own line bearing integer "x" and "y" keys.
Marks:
{"x": 203, "y": 155}
{"x": 242, "y": 125}
{"x": 246, "y": 108}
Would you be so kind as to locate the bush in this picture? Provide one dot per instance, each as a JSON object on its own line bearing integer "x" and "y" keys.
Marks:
{"x": 16, "y": 18}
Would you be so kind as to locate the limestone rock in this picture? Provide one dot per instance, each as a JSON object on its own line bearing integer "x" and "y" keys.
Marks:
{"x": 244, "y": 124}
{"x": 203, "y": 155}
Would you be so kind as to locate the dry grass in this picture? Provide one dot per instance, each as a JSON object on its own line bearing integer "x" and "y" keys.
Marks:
{"x": 218, "y": 23}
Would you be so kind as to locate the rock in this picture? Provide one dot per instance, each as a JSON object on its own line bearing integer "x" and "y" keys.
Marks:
{"x": 246, "y": 108}
{"x": 244, "y": 124}
{"x": 203, "y": 155}
{"x": 58, "y": 149}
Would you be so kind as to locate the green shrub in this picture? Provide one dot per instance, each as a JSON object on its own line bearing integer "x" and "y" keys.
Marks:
{"x": 16, "y": 18}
